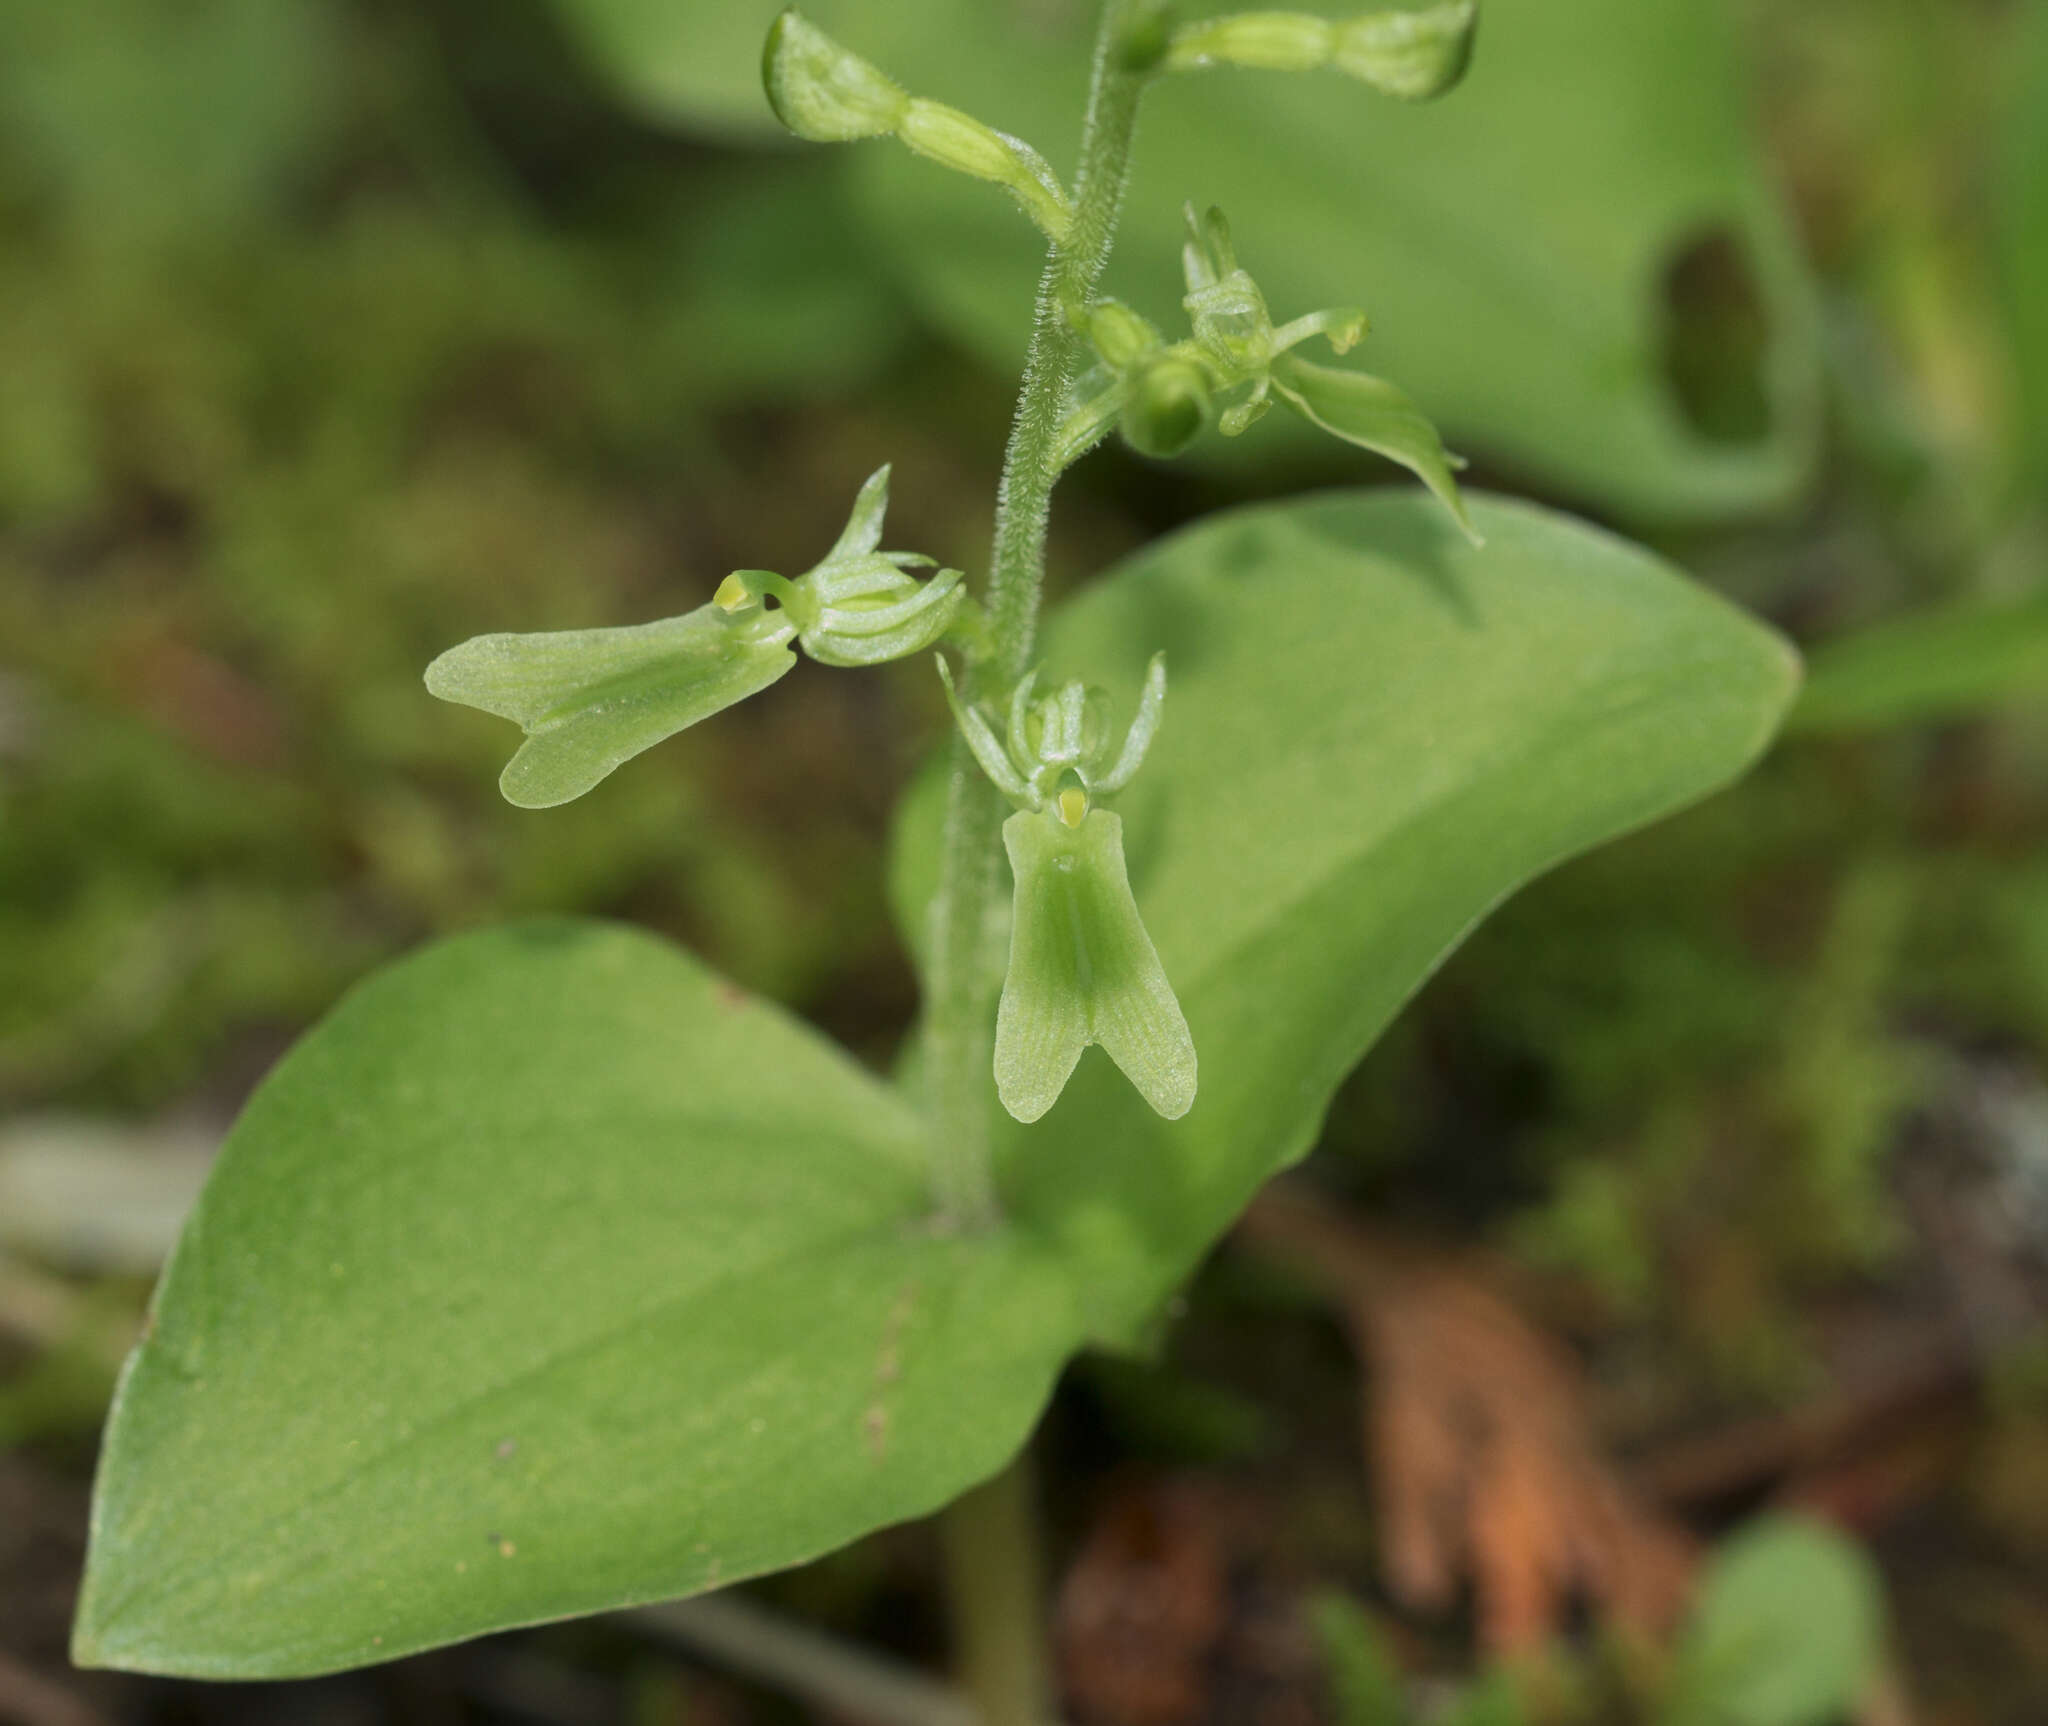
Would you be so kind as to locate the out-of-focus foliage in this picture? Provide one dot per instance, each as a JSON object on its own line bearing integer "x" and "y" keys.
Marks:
{"x": 1950, "y": 663}
{"x": 155, "y": 120}
{"x": 1786, "y": 1631}
{"x": 2024, "y": 197}
{"x": 697, "y": 62}
{"x": 1535, "y": 250}
{"x": 306, "y": 380}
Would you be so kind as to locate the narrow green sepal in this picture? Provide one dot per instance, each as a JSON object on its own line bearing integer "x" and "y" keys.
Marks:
{"x": 1083, "y": 970}
{"x": 860, "y": 606}
{"x": 1375, "y": 415}
{"x": 590, "y": 700}
{"x": 1207, "y": 253}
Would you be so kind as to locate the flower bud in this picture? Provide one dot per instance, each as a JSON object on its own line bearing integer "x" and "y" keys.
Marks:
{"x": 1412, "y": 55}
{"x": 1263, "y": 41}
{"x": 1119, "y": 335}
{"x": 1167, "y": 408}
{"x": 823, "y": 92}
{"x": 961, "y": 142}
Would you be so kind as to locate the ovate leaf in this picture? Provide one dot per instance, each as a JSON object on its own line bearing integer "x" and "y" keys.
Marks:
{"x": 549, "y": 1274}
{"x": 1376, "y": 733}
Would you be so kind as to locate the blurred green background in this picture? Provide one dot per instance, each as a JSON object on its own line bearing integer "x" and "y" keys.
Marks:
{"x": 333, "y": 332}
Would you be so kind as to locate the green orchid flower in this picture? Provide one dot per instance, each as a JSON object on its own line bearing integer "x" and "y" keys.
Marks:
{"x": 590, "y": 700}
{"x": 1161, "y": 395}
{"x": 1082, "y": 968}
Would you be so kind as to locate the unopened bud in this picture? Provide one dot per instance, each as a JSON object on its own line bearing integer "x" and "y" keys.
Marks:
{"x": 959, "y": 141}
{"x": 1119, "y": 335}
{"x": 1412, "y": 55}
{"x": 1263, "y": 41}
{"x": 823, "y": 92}
{"x": 1167, "y": 408}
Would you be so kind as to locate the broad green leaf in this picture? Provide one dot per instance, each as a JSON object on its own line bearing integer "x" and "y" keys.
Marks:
{"x": 549, "y": 1274}
{"x": 1373, "y": 414}
{"x": 1511, "y": 241}
{"x": 1786, "y": 1631}
{"x": 591, "y": 699}
{"x": 1375, "y": 733}
{"x": 1946, "y": 663}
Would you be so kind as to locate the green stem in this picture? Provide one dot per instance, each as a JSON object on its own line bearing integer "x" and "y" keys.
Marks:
{"x": 990, "y": 1536}
{"x": 965, "y": 960}
{"x": 995, "y": 1588}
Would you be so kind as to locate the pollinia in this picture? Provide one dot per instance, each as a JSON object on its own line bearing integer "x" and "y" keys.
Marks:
{"x": 1081, "y": 968}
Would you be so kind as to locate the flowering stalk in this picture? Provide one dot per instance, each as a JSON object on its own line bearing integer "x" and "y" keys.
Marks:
{"x": 965, "y": 963}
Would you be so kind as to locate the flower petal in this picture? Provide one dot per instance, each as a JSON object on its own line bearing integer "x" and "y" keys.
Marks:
{"x": 591, "y": 699}
{"x": 1083, "y": 970}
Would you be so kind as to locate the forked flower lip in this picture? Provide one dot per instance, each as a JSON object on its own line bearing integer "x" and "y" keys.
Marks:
{"x": 1082, "y": 968}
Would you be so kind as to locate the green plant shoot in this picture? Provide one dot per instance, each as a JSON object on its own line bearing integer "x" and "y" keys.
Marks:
{"x": 551, "y": 1273}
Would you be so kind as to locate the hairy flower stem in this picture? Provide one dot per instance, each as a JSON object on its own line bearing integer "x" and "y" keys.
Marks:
{"x": 965, "y": 966}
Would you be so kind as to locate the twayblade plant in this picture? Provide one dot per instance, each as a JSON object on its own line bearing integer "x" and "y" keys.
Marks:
{"x": 551, "y": 1274}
